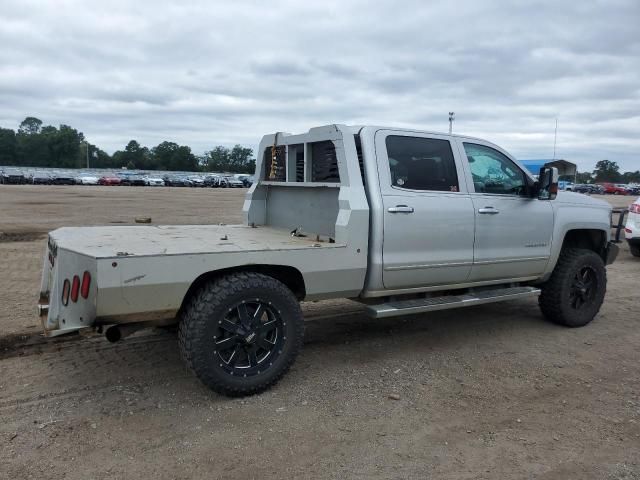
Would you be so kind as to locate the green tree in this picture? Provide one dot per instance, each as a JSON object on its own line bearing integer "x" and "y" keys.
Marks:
{"x": 584, "y": 177}
{"x": 30, "y": 126}
{"x": 171, "y": 156}
{"x": 241, "y": 160}
{"x": 8, "y": 147}
{"x": 217, "y": 160}
{"x": 48, "y": 146}
{"x": 32, "y": 147}
{"x": 237, "y": 160}
{"x": 64, "y": 145}
{"x": 117, "y": 159}
{"x": 607, "y": 171}
{"x": 139, "y": 155}
{"x": 100, "y": 159}
{"x": 631, "y": 177}
{"x": 134, "y": 154}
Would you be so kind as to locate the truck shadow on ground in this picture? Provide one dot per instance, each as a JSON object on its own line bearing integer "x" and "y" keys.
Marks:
{"x": 331, "y": 345}
{"x": 482, "y": 323}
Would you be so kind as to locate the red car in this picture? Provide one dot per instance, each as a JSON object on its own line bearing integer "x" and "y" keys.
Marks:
{"x": 109, "y": 180}
{"x": 613, "y": 189}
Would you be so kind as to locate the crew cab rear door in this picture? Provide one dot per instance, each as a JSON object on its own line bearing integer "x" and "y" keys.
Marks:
{"x": 428, "y": 213}
{"x": 513, "y": 230}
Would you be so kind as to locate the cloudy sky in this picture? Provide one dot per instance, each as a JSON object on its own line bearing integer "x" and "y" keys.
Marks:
{"x": 207, "y": 73}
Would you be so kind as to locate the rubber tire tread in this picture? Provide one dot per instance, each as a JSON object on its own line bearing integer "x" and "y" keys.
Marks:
{"x": 211, "y": 298}
{"x": 552, "y": 300}
{"x": 635, "y": 250}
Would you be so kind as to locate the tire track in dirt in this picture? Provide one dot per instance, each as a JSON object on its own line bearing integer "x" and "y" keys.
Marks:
{"x": 21, "y": 344}
{"x": 19, "y": 285}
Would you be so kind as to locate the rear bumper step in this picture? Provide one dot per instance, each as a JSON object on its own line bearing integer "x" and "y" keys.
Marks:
{"x": 407, "y": 307}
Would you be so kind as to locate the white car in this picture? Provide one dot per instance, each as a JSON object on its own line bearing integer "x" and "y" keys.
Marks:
{"x": 88, "y": 180}
{"x": 632, "y": 228}
{"x": 154, "y": 182}
{"x": 196, "y": 181}
{"x": 233, "y": 182}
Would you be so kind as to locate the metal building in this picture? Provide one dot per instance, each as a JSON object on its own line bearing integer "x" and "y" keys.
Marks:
{"x": 564, "y": 167}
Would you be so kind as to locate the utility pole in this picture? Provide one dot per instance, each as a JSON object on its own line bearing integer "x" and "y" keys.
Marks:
{"x": 452, "y": 117}
{"x": 87, "y": 145}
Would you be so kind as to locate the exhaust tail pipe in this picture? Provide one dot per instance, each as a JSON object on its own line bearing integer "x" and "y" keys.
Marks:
{"x": 116, "y": 333}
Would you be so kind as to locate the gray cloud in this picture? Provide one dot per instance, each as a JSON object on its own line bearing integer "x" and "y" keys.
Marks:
{"x": 204, "y": 73}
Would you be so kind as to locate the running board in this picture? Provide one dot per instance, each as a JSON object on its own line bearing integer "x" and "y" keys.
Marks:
{"x": 407, "y": 307}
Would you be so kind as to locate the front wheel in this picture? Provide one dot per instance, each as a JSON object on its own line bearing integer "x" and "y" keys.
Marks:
{"x": 241, "y": 333}
{"x": 574, "y": 293}
{"x": 635, "y": 249}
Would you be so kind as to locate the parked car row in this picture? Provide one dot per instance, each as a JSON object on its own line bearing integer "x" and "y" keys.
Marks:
{"x": 18, "y": 177}
{"x": 621, "y": 189}
{"x": 606, "y": 188}
{"x": 591, "y": 188}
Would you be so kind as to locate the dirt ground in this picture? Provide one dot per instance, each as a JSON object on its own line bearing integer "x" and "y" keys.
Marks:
{"x": 486, "y": 392}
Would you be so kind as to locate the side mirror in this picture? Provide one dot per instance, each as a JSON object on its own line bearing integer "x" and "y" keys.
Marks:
{"x": 548, "y": 183}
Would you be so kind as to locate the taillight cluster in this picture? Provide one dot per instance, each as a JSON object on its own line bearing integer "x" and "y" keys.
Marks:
{"x": 75, "y": 288}
{"x": 634, "y": 208}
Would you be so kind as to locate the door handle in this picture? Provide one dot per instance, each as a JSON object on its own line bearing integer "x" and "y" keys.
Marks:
{"x": 400, "y": 209}
{"x": 488, "y": 211}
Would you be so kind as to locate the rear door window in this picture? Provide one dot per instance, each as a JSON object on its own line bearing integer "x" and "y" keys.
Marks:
{"x": 418, "y": 163}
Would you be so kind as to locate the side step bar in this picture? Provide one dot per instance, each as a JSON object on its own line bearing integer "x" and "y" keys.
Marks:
{"x": 407, "y": 307}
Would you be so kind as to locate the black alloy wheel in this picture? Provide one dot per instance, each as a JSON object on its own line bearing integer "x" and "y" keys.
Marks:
{"x": 583, "y": 288}
{"x": 249, "y": 338}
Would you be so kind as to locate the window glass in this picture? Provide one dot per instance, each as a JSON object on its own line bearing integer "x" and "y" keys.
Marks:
{"x": 421, "y": 163}
{"x": 494, "y": 172}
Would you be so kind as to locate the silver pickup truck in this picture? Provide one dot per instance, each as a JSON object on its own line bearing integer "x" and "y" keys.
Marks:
{"x": 402, "y": 221}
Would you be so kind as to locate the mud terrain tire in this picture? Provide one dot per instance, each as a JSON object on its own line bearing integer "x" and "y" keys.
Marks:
{"x": 574, "y": 293}
{"x": 241, "y": 333}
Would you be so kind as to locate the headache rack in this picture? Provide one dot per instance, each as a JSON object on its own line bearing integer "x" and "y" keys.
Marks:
{"x": 300, "y": 179}
{"x": 306, "y": 162}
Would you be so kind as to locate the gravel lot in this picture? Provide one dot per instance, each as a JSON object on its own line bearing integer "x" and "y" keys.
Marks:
{"x": 485, "y": 392}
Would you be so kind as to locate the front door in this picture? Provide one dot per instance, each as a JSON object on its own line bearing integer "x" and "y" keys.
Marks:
{"x": 513, "y": 230}
{"x": 428, "y": 213}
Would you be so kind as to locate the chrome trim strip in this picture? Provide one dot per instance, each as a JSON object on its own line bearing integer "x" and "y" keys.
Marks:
{"x": 510, "y": 260}
{"x": 463, "y": 264}
{"x": 429, "y": 265}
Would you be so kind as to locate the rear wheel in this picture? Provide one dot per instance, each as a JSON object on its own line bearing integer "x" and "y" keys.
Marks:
{"x": 241, "y": 333}
{"x": 635, "y": 249}
{"x": 574, "y": 293}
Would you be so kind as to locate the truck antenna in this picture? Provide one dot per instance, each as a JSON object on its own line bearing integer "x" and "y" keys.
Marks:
{"x": 452, "y": 117}
{"x": 555, "y": 137}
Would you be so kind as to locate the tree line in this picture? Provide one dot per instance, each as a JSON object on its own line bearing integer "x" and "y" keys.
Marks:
{"x": 607, "y": 171}
{"x": 35, "y": 145}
